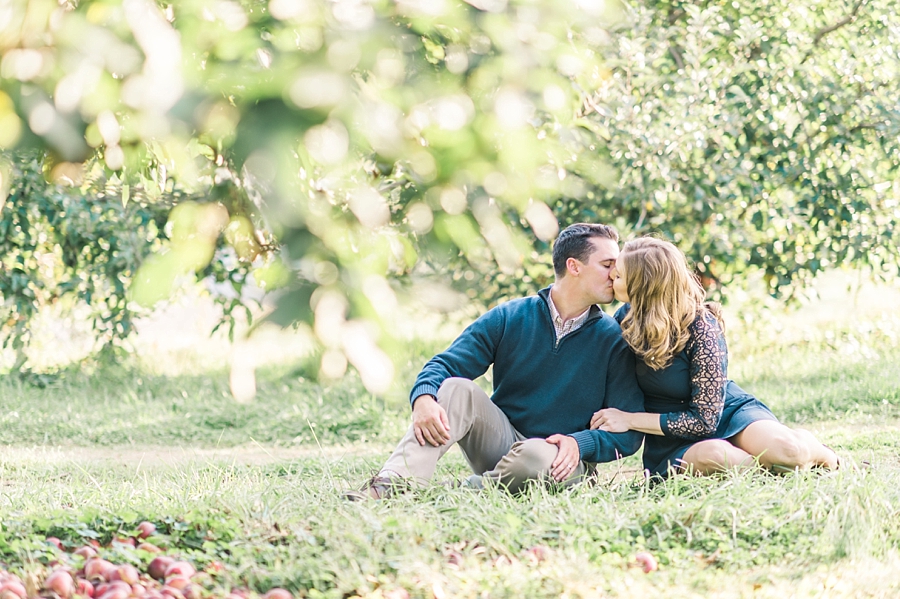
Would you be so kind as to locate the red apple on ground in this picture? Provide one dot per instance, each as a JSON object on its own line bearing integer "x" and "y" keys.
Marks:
{"x": 172, "y": 592}
{"x": 13, "y": 586}
{"x": 145, "y": 529}
{"x": 646, "y": 561}
{"x": 277, "y": 593}
{"x": 127, "y": 574}
{"x": 180, "y": 568}
{"x": 193, "y": 591}
{"x": 178, "y": 582}
{"x": 96, "y": 569}
{"x": 116, "y": 593}
{"x": 54, "y": 541}
{"x": 83, "y": 587}
{"x": 61, "y": 583}
{"x": 86, "y": 552}
{"x": 159, "y": 565}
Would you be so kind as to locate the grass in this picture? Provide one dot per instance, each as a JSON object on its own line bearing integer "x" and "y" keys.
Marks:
{"x": 256, "y": 486}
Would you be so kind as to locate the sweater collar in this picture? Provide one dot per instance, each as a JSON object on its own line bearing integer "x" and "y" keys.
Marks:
{"x": 595, "y": 311}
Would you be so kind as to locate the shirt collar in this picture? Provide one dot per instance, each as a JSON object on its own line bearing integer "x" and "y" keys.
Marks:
{"x": 554, "y": 313}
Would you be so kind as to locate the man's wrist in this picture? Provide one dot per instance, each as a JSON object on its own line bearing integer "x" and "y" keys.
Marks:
{"x": 418, "y": 397}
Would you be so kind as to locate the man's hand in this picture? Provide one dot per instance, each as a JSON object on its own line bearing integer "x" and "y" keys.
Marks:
{"x": 611, "y": 420}
{"x": 430, "y": 421}
{"x": 567, "y": 458}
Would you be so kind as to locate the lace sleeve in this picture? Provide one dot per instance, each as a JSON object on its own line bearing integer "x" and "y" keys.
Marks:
{"x": 708, "y": 359}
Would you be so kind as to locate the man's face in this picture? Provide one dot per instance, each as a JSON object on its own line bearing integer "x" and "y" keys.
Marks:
{"x": 594, "y": 276}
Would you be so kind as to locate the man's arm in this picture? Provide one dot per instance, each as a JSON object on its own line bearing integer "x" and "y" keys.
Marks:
{"x": 469, "y": 356}
{"x": 623, "y": 393}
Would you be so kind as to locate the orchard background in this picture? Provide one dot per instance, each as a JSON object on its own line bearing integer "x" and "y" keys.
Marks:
{"x": 372, "y": 174}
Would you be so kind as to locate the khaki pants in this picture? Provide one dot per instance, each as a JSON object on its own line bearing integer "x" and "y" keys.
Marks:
{"x": 494, "y": 449}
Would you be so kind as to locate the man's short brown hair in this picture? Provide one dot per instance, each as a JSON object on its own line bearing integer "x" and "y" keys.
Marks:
{"x": 575, "y": 242}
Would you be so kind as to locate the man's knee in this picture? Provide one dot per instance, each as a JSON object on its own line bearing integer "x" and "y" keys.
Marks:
{"x": 457, "y": 391}
{"x": 530, "y": 459}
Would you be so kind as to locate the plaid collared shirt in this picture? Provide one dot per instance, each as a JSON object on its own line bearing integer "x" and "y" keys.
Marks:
{"x": 563, "y": 328}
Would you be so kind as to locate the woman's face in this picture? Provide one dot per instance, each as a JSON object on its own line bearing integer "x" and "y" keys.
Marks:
{"x": 618, "y": 276}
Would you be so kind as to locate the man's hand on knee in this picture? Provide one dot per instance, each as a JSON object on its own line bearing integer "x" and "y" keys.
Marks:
{"x": 430, "y": 421}
{"x": 567, "y": 458}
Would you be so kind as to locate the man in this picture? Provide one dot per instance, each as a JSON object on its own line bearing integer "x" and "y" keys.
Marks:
{"x": 557, "y": 359}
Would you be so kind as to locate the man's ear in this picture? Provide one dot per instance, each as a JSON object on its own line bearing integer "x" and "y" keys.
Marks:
{"x": 573, "y": 266}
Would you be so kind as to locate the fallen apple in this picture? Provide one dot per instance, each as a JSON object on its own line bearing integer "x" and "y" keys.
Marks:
{"x": 61, "y": 583}
{"x": 646, "y": 561}
{"x": 83, "y": 587}
{"x": 159, "y": 565}
{"x": 13, "y": 586}
{"x": 115, "y": 593}
{"x": 193, "y": 591}
{"x": 178, "y": 582}
{"x": 145, "y": 529}
{"x": 86, "y": 552}
{"x": 180, "y": 568}
{"x": 55, "y": 542}
{"x": 96, "y": 568}
{"x": 127, "y": 574}
{"x": 172, "y": 592}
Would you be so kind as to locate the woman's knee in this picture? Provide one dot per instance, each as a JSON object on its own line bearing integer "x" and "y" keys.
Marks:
{"x": 714, "y": 454}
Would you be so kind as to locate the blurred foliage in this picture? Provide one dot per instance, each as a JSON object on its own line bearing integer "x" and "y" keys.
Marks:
{"x": 397, "y": 149}
{"x": 59, "y": 246}
{"x": 82, "y": 243}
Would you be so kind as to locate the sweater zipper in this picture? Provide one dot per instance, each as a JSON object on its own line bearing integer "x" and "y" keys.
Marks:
{"x": 558, "y": 340}
{"x": 575, "y": 332}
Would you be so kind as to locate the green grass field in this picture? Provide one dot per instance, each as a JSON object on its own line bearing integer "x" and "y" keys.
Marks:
{"x": 257, "y": 487}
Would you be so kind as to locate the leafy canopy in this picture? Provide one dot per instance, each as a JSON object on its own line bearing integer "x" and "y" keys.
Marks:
{"x": 381, "y": 143}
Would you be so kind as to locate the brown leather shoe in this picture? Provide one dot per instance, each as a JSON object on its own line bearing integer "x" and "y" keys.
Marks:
{"x": 377, "y": 487}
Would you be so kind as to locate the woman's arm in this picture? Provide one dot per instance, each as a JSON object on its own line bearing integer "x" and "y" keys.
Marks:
{"x": 617, "y": 421}
{"x": 708, "y": 364}
{"x": 708, "y": 358}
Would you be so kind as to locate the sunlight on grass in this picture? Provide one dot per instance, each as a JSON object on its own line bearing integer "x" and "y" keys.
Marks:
{"x": 257, "y": 485}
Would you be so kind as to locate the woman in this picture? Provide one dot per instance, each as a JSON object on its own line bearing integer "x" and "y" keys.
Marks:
{"x": 696, "y": 420}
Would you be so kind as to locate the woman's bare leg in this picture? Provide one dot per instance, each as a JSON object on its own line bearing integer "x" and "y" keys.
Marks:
{"x": 780, "y": 448}
{"x": 715, "y": 455}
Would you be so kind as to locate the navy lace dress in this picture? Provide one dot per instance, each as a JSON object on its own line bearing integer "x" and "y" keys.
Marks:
{"x": 693, "y": 396}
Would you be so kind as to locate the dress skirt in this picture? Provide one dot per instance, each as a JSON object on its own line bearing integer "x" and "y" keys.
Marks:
{"x": 740, "y": 410}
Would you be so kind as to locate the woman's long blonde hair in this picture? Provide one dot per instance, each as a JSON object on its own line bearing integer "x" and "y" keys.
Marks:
{"x": 665, "y": 299}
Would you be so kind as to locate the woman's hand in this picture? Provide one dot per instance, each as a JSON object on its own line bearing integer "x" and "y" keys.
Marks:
{"x": 611, "y": 420}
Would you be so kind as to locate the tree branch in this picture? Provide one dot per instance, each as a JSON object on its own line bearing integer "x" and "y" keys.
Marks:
{"x": 676, "y": 56}
{"x": 821, "y": 33}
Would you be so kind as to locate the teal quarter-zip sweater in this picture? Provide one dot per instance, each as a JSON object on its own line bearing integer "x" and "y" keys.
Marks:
{"x": 543, "y": 386}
